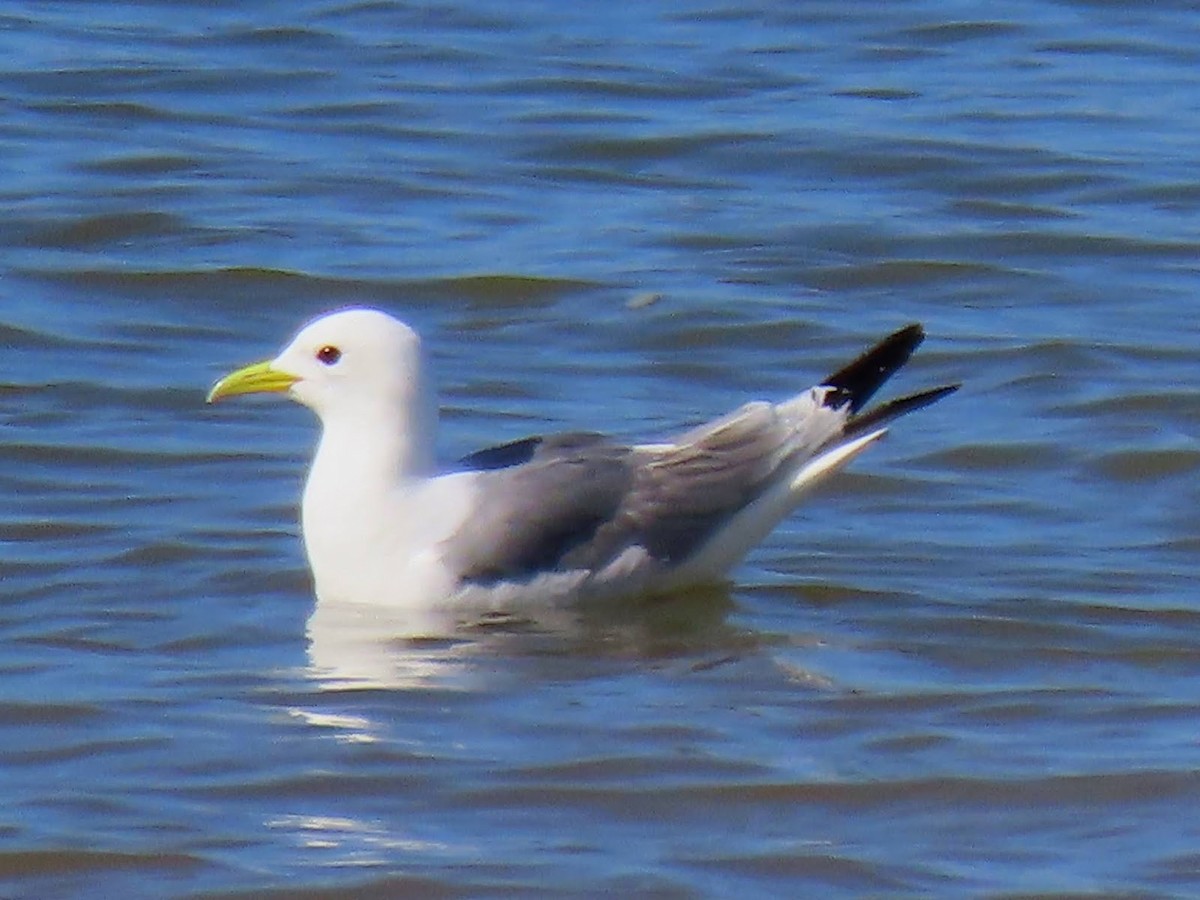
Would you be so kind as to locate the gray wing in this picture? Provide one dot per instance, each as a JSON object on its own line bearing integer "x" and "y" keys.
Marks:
{"x": 579, "y": 502}
{"x": 531, "y": 515}
{"x": 515, "y": 453}
{"x": 682, "y": 493}
{"x": 576, "y": 502}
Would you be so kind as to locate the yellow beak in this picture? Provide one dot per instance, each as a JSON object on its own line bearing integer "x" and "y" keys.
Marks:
{"x": 258, "y": 378}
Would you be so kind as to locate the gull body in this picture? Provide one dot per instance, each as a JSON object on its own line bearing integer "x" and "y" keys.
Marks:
{"x": 550, "y": 518}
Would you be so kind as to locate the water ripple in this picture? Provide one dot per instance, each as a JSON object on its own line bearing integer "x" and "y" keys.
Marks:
{"x": 968, "y": 669}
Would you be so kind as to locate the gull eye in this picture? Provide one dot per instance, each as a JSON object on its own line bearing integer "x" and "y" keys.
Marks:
{"x": 328, "y": 355}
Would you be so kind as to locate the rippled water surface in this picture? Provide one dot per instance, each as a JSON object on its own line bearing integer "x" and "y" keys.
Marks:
{"x": 971, "y": 667}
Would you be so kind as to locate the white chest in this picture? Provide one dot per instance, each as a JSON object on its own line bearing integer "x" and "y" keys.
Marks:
{"x": 379, "y": 543}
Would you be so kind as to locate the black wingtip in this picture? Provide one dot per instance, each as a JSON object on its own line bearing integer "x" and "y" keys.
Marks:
{"x": 894, "y": 409}
{"x": 857, "y": 382}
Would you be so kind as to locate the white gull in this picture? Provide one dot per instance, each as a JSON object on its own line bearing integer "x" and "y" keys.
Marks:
{"x": 546, "y": 519}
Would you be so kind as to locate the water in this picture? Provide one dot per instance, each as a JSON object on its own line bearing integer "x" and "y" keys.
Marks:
{"x": 970, "y": 668}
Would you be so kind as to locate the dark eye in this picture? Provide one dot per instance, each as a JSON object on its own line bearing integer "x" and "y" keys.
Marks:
{"x": 329, "y": 354}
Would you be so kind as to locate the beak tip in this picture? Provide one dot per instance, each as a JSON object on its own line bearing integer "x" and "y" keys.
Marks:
{"x": 252, "y": 379}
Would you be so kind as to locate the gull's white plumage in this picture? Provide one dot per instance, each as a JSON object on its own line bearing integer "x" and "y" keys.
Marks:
{"x": 370, "y": 502}
{"x": 545, "y": 519}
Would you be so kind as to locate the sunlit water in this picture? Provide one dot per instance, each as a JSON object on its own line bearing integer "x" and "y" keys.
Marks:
{"x": 968, "y": 668}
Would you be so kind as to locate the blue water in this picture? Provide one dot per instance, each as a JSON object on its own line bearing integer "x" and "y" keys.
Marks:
{"x": 967, "y": 668}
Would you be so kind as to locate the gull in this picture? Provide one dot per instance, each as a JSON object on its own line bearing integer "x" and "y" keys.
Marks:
{"x": 547, "y": 519}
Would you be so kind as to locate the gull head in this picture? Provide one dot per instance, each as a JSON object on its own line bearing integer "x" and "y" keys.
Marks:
{"x": 354, "y": 361}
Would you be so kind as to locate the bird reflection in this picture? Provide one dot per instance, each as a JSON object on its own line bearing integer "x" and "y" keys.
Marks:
{"x": 354, "y": 646}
